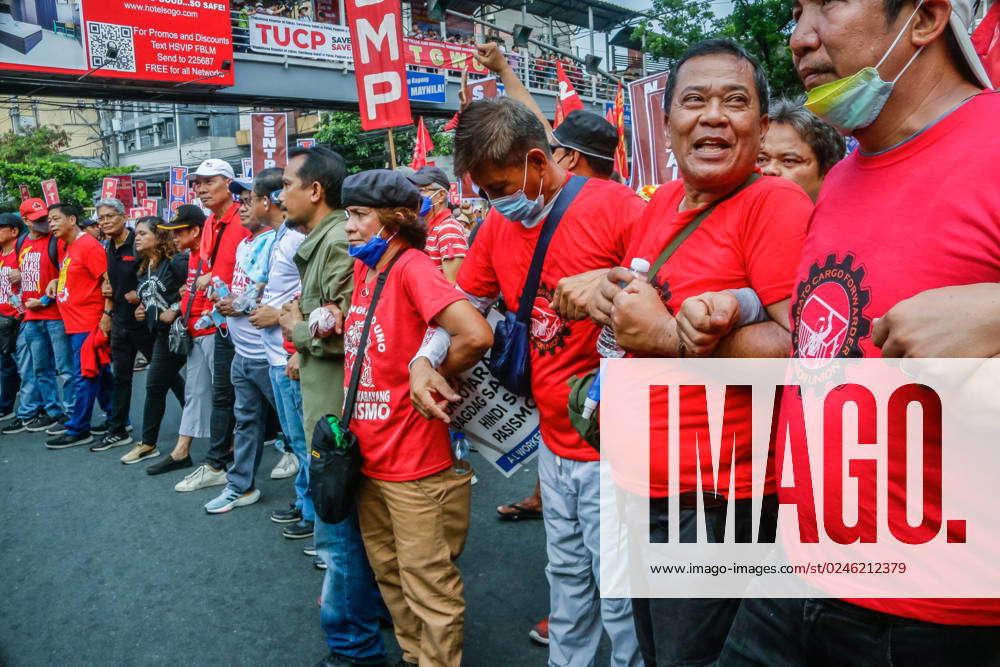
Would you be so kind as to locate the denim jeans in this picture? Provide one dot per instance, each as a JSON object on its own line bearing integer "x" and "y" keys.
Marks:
{"x": 51, "y": 352}
{"x": 288, "y": 403}
{"x": 125, "y": 344}
{"x": 788, "y": 632}
{"x": 87, "y": 390}
{"x": 350, "y": 605}
{"x": 30, "y": 403}
{"x": 221, "y": 438}
{"x": 252, "y": 386}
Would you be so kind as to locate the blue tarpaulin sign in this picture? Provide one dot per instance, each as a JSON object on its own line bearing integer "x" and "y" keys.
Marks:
{"x": 608, "y": 106}
{"x": 426, "y": 87}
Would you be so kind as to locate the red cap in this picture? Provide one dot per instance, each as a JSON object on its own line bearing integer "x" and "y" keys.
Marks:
{"x": 33, "y": 209}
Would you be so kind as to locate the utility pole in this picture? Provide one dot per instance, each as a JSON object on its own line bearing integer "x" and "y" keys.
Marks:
{"x": 177, "y": 136}
{"x": 109, "y": 138}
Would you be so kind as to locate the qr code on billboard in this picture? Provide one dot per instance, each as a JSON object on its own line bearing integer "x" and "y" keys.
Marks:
{"x": 111, "y": 46}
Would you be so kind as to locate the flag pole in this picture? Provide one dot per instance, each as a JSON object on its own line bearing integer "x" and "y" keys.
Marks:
{"x": 392, "y": 150}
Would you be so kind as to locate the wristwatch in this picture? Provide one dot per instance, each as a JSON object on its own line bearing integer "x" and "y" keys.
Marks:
{"x": 108, "y": 313}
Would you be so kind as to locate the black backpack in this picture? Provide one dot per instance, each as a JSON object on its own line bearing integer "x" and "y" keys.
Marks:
{"x": 53, "y": 248}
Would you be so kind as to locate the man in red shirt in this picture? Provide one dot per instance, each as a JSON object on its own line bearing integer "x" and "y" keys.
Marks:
{"x": 505, "y": 150}
{"x": 83, "y": 270}
{"x": 913, "y": 209}
{"x": 447, "y": 243}
{"x": 220, "y": 236}
{"x": 42, "y": 342}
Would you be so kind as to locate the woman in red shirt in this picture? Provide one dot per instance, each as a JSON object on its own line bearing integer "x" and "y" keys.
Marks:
{"x": 413, "y": 505}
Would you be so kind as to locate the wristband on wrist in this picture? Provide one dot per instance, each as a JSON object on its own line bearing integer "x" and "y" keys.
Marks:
{"x": 45, "y": 299}
{"x": 752, "y": 309}
{"x": 108, "y": 313}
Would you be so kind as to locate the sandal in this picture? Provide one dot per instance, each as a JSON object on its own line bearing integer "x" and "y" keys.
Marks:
{"x": 520, "y": 513}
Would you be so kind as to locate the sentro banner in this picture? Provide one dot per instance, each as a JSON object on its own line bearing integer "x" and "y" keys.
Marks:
{"x": 379, "y": 67}
{"x": 268, "y": 141}
{"x": 140, "y": 40}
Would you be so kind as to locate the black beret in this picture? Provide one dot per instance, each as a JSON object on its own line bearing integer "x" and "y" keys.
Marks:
{"x": 588, "y": 133}
{"x": 12, "y": 220}
{"x": 428, "y": 175}
{"x": 379, "y": 188}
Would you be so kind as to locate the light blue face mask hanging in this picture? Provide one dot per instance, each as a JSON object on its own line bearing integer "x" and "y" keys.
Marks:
{"x": 517, "y": 207}
{"x": 856, "y": 101}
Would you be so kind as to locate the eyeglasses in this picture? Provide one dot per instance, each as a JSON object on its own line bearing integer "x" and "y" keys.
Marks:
{"x": 108, "y": 216}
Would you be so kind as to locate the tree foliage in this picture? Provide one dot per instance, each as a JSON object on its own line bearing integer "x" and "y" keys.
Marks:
{"x": 43, "y": 142}
{"x": 77, "y": 184}
{"x": 341, "y": 131}
{"x": 762, "y": 27}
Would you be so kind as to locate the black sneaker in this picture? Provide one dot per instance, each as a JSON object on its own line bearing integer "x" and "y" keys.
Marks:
{"x": 112, "y": 440}
{"x": 100, "y": 429}
{"x": 58, "y": 427}
{"x": 298, "y": 530}
{"x": 16, "y": 426}
{"x": 291, "y": 515}
{"x": 167, "y": 464}
{"x": 40, "y": 423}
{"x": 310, "y": 550}
{"x": 66, "y": 440}
{"x": 319, "y": 563}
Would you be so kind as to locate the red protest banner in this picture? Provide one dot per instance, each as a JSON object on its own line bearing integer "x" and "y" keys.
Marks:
{"x": 621, "y": 157}
{"x": 379, "y": 67}
{"x": 430, "y": 53}
{"x": 141, "y": 190}
{"x": 268, "y": 141}
{"x": 568, "y": 100}
{"x": 25, "y": 192}
{"x": 482, "y": 89}
{"x": 454, "y": 196}
{"x": 652, "y": 161}
{"x": 135, "y": 213}
{"x": 109, "y": 187}
{"x": 125, "y": 195}
{"x": 149, "y": 205}
{"x": 50, "y": 191}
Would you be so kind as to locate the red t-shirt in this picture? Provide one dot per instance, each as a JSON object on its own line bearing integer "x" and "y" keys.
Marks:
{"x": 225, "y": 258}
{"x": 920, "y": 216}
{"x": 83, "y": 265}
{"x": 397, "y": 444}
{"x": 446, "y": 238}
{"x": 37, "y": 271}
{"x": 752, "y": 240}
{"x": 201, "y": 303}
{"x": 594, "y": 233}
{"x": 8, "y": 263}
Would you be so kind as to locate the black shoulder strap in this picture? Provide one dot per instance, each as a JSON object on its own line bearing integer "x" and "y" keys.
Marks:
{"x": 530, "y": 289}
{"x": 359, "y": 357}
{"x": 695, "y": 224}
{"x": 54, "y": 251}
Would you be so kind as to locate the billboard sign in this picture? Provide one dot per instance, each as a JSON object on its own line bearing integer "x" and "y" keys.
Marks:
{"x": 426, "y": 87}
{"x": 152, "y": 40}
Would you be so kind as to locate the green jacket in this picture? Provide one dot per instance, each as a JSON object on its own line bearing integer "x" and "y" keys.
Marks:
{"x": 327, "y": 273}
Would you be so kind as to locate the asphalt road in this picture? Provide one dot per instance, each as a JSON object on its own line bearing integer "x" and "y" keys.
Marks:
{"x": 101, "y": 564}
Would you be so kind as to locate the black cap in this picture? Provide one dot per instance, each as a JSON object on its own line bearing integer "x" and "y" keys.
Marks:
{"x": 11, "y": 220}
{"x": 587, "y": 133}
{"x": 83, "y": 223}
{"x": 430, "y": 175}
{"x": 379, "y": 188}
{"x": 187, "y": 215}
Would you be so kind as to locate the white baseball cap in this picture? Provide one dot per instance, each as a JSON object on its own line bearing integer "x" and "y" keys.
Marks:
{"x": 212, "y": 167}
{"x": 963, "y": 15}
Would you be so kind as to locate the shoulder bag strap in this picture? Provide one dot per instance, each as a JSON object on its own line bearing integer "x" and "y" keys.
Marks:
{"x": 694, "y": 224}
{"x": 197, "y": 273}
{"x": 530, "y": 289}
{"x": 359, "y": 357}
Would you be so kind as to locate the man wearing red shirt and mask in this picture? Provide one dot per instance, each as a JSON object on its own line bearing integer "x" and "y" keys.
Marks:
{"x": 446, "y": 239}
{"x": 220, "y": 236}
{"x": 83, "y": 270}
{"x": 913, "y": 210}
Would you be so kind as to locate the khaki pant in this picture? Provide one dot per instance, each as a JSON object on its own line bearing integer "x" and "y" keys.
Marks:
{"x": 413, "y": 532}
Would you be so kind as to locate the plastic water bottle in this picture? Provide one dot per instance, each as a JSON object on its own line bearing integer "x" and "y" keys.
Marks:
{"x": 205, "y": 321}
{"x": 593, "y": 396}
{"x": 460, "y": 453}
{"x": 15, "y": 301}
{"x": 607, "y": 344}
{"x": 220, "y": 287}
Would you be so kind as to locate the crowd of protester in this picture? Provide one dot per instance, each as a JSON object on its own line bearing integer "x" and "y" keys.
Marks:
{"x": 261, "y": 317}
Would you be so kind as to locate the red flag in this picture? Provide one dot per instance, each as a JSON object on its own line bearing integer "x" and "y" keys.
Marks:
{"x": 621, "y": 157}
{"x": 568, "y": 100}
{"x": 986, "y": 39}
{"x": 422, "y": 147}
{"x": 453, "y": 123}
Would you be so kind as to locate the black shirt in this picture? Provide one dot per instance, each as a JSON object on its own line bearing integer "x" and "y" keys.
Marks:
{"x": 159, "y": 288}
{"x": 123, "y": 264}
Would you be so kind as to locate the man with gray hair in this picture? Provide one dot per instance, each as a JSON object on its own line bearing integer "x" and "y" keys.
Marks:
{"x": 505, "y": 150}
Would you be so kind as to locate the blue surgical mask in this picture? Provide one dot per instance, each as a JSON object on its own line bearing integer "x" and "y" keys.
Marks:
{"x": 371, "y": 251}
{"x": 856, "y": 101}
{"x": 517, "y": 207}
{"x": 426, "y": 204}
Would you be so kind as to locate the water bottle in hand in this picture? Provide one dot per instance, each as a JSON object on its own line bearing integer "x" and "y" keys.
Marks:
{"x": 460, "y": 453}
{"x": 607, "y": 344}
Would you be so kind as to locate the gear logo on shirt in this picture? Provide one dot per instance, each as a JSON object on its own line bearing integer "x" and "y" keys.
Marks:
{"x": 548, "y": 330}
{"x": 352, "y": 339}
{"x": 829, "y": 313}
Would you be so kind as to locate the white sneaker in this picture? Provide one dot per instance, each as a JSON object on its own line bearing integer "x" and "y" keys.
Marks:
{"x": 288, "y": 466}
{"x": 229, "y": 499}
{"x": 202, "y": 478}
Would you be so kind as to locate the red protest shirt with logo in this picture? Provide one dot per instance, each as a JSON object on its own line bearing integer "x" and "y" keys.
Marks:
{"x": 37, "y": 271}
{"x": 8, "y": 263}
{"x": 753, "y": 239}
{"x": 201, "y": 302}
{"x": 446, "y": 238}
{"x": 397, "y": 444}
{"x": 225, "y": 258}
{"x": 594, "y": 233}
{"x": 922, "y": 215}
{"x": 81, "y": 273}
